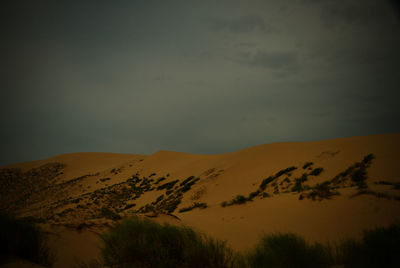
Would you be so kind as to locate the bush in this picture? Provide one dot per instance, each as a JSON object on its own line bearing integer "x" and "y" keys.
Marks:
{"x": 378, "y": 248}
{"x": 109, "y": 214}
{"x": 316, "y": 171}
{"x": 288, "y": 250}
{"x": 21, "y": 238}
{"x": 144, "y": 243}
{"x": 307, "y": 165}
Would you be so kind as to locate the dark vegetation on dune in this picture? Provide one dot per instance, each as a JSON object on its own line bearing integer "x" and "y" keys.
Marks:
{"x": 143, "y": 243}
{"x": 21, "y": 238}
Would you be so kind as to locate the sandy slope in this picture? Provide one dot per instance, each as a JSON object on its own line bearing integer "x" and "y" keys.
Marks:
{"x": 222, "y": 177}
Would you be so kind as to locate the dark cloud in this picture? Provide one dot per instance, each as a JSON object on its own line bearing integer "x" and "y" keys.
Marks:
{"x": 272, "y": 60}
{"x": 243, "y": 24}
{"x": 204, "y": 77}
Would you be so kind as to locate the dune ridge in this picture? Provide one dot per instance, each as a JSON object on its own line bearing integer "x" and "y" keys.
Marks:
{"x": 77, "y": 195}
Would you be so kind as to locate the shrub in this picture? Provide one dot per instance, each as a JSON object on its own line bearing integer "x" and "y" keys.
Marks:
{"x": 144, "y": 243}
{"x": 265, "y": 182}
{"x": 316, "y": 171}
{"x": 378, "y": 248}
{"x": 307, "y": 165}
{"x": 21, "y": 238}
{"x": 288, "y": 250}
{"x": 167, "y": 185}
{"x": 298, "y": 186}
{"x": 109, "y": 214}
{"x": 284, "y": 171}
{"x": 321, "y": 191}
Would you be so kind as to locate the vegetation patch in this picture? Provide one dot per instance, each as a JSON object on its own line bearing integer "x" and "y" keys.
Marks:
{"x": 396, "y": 185}
{"x": 167, "y": 185}
{"x": 288, "y": 250}
{"x": 195, "y": 205}
{"x": 316, "y": 171}
{"x": 144, "y": 243}
{"x": 22, "y": 238}
{"x": 357, "y": 173}
{"x": 321, "y": 191}
{"x": 298, "y": 185}
{"x": 307, "y": 165}
{"x": 109, "y": 214}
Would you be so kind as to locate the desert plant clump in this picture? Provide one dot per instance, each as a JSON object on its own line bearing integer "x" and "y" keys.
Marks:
{"x": 379, "y": 247}
{"x": 265, "y": 182}
{"x": 357, "y": 173}
{"x": 307, "y": 165}
{"x": 22, "y": 238}
{"x": 144, "y": 243}
{"x": 396, "y": 185}
{"x": 288, "y": 250}
{"x": 298, "y": 186}
{"x": 195, "y": 205}
{"x": 167, "y": 185}
{"x": 321, "y": 191}
{"x": 109, "y": 214}
{"x": 316, "y": 171}
{"x": 285, "y": 171}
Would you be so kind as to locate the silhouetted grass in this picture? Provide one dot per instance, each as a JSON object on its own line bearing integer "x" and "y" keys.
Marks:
{"x": 22, "y": 238}
{"x": 288, "y": 250}
{"x": 377, "y": 248}
{"x": 144, "y": 243}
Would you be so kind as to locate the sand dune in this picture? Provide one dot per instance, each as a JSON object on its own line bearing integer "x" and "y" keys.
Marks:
{"x": 69, "y": 196}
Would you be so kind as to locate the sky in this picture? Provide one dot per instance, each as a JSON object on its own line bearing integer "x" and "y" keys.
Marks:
{"x": 203, "y": 77}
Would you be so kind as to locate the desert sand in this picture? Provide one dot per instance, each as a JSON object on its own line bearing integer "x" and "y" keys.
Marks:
{"x": 68, "y": 192}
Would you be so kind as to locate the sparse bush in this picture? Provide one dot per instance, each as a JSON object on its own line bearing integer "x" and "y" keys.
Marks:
{"x": 284, "y": 171}
{"x": 167, "y": 185}
{"x": 109, "y": 214}
{"x": 298, "y": 185}
{"x": 144, "y": 243}
{"x": 22, "y": 238}
{"x": 265, "y": 182}
{"x": 307, "y": 165}
{"x": 288, "y": 250}
{"x": 316, "y": 171}
{"x": 321, "y": 191}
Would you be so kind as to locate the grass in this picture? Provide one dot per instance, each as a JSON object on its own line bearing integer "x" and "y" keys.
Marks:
{"x": 379, "y": 247}
{"x": 144, "y": 243}
{"x": 21, "y": 238}
{"x": 288, "y": 250}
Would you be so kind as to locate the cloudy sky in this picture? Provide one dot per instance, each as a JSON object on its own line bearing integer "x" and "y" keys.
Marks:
{"x": 194, "y": 76}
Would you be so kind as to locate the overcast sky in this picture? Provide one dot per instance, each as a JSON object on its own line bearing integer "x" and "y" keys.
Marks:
{"x": 194, "y": 76}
